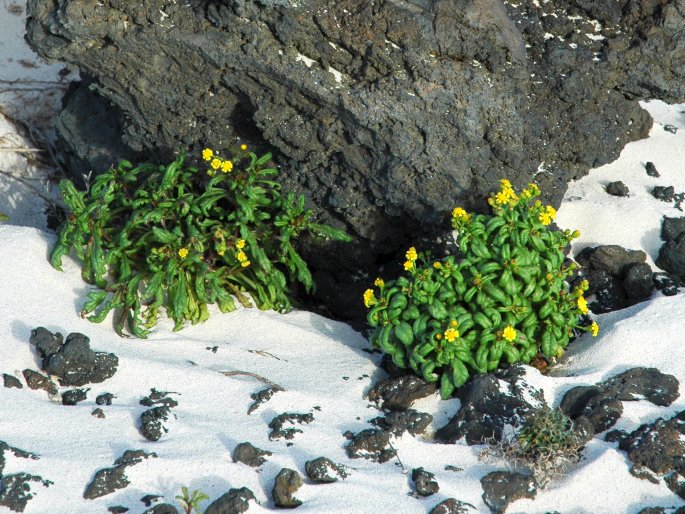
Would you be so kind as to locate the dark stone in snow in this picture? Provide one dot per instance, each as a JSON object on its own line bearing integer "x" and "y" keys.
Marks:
{"x": 424, "y": 481}
{"x": 118, "y": 509}
{"x": 152, "y": 422}
{"x": 11, "y": 381}
{"x": 676, "y": 483}
{"x": 603, "y": 413}
{"x": 262, "y": 396}
{"x": 158, "y": 398}
{"x": 15, "y": 490}
{"x": 371, "y": 444}
{"x": 98, "y": 413}
{"x": 672, "y": 256}
{"x": 664, "y": 193}
{"x": 666, "y": 283}
{"x": 288, "y": 481}
{"x": 671, "y": 228}
{"x": 500, "y": 488}
{"x": 615, "y": 259}
{"x": 149, "y": 499}
{"x": 489, "y": 402}
{"x": 73, "y": 361}
{"x": 162, "y": 508}
{"x": 638, "y": 283}
{"x": 37, "y": 381}
{"x": 617, "y": 189}
{"x": 288, "y": 433}
{"x": 670, "y": 128}
{"x": 108, "y": 480}
{"x": 104, "y": 399}
{"x": 399, "y": 393}
{"x": 235, "y": 501}
{"x": 651, "y": 169}
{"x": 324, "y": 471}
{"x": 250, "y": 455}
{"x": 74, "y": 396}
{"x": 652, "y": 510}
{"x": 452, "y": 506}
{"x": 399, "y": 422}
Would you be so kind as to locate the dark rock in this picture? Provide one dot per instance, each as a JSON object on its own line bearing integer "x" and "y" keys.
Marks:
{"x": 288, "y": 481}
{"x": 638, "y": 283}
{"x": 74, "y": 396}
{"x": 574, "y": 401}
{"x": 152, "y": 422}
{"x": 262, "y": 396}
{"x": 73, "y": 361}
{"x": 250, "y": 455}
{"x": 676, "y": 483}
{"x": 651, "y": 169}
{"x": 663, "y": 193}
{"x": 324, "y": 471}
{"x": 399, "y": 393}
{"x": 15, "y": 490}
{"x": 37, "y": 381}
{"x": 104, "y": 399}
{"x": 235, "y": 501}
{"x": 371, "y": 444}
{"x": 399, "y": 422}
{"x": 617, "y": 189}
{"x": 158, "y": 398}
{"x": 615, "y": 259}
{"x": 288, "y": 433}
{"x": 671, "y": 228}
{"x": 452, "y": 506}
{"x": 149, "y": 499}
{"x": 500, "y": 488}
{"x": 603, "y": 413}
{"x": 162, "y": 508}
{"x": 666, "y": 283}
{"x": 392, "y": 369}
{"x": 98, "y": 413}
{"x": 424, "y": 482}
{"x": 22, "y": 454}
{"x": 616, "y": 436}
{"x": 390, "y": 148}
{"x": 118, "y": 509}
{"x": 672, "y": 257}
{"x": 489, "y": 403}
{"x": 670, "y": 128}
{"x": 108, "y": 480}
{"x": 652, "y": 510}
{"x": 11, "y": 381}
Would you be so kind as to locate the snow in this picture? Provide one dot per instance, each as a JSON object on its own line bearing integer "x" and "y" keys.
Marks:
{"x": 323, "y": 368}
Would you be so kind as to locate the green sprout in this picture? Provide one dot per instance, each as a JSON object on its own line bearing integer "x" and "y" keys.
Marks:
{"x": 191, "y": 501}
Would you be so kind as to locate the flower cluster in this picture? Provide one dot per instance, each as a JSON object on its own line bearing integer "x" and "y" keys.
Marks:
{"x": 217, "y": 163}
{"x": 411, "y": 259}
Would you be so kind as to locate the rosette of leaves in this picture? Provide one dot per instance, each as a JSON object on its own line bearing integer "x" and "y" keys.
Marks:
{"x": 503, "y": 299}
{"x": 153, "y": 236}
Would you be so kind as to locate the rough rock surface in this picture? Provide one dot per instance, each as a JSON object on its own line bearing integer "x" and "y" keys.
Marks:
{"x": 424, "y": 482}
{"x": 452, "y": 506}
{"x": 162, "y": 508}
{"x": 37, "y": 381}
{"x": 671, "y": 228}
{"x": 617, "y": 188}
{"x": 324, "y": 471}
{"x": 500, "y": 488}
{"x": 399, "y": 393}
{"x": 11, "y": 381}
{"x": 15, "y": 490}
{"x": 261, "y": 397}
{"x": 72, "y": 361}
{"x": 288, "y": 481}
{"x": 277, "y": 425}
{"x": 250, "y": 455}
{"x": 108, "y": 480}
{"x": 399, "y": 422}
{"x": 371, "y": 444}
{"x": 672, "y": 256}
{"x": 387, "y": 114}
{"x": 235, "y": 501}
{"x": 74, "y": 396}
{"x": 152, "y": 421}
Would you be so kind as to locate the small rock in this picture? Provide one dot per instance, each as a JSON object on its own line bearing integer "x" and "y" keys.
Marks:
{"x": 664, "y": 193}
{"x": 288, "y": 433}
{"x": 261, "y": 397}
{"x": 666, "y": 283}
{"x": 652, "y": 510}
{"x": 676, "y": 483}
{"x": 371, "y": 444}
{"x": 74, "y": 396}
{"x": 671, "y": 228}
{"x": 617, "y": 189}
{"x": 399, "y": 393}
{"x": 323, "y": 470}
{"x": 672, "y": 256}
{"x": 399, "y": 422}
{"x": 104, "y": 399}
{"x": 670, "y": 128}
{"x": 500, "y": 488}
{"x": 108, "y": 480}
{"x": 158, "y": 398}
{"x": 452, "y": 506}
{"x": 152, "y": 425}
{"x": 149, "y": 499}
{"x": 424, "y": 481}
{"x": 37, "y": 381}
{"x": 98, "y": 413}
{"x": 288, "y": 481}
{"x": 162, "y": 508}
{"x": 651, "y": 169}
{"x": 250, "y": 455}
{"x": 118, "y": 509}
{"x": 15, "y": 490}
{"x": 11, "y": 381}
{"x": 235, "y": 501}
{"x": 638, "y": 283}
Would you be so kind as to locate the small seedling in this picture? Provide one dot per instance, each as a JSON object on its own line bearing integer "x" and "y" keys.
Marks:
{"x": 190, "y": 502}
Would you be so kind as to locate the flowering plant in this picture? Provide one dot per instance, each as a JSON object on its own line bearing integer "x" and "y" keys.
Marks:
{"x": 504, "y": 297}
{"x": 168, "y": 236}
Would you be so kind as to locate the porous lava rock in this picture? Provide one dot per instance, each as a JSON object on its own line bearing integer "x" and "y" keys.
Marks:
{"x": 279, "y": 430}
{"x": 11, "y": 381}
{"x": 371, "y": 444}
{"x": 399, "y": 422}
{"x": 324, "y": 471}
{"x": 72, "y": 360}
{"x": 500, "y": 488}
{"x": 162, "y": 508}
{"x": 153, "y": 421}
{"x": 36, "y": 381}
{"x": 108, "y": 480}
{"x": 617, "y": 188}
{"x": 399, "y": 393}
{"x": 250, "y": 455}
{"x": 672, "y": 228}
{"x": 74, "y": 396}
{"x": 452, "y": 506}
{"x": 15, "y": 490}
{"x": 387, "y": 114}
{"x": 672, "y": 256}
{"x": 235, "y": 501}
{"x": 287, "y": 482}
{"x": 424, "y": 482}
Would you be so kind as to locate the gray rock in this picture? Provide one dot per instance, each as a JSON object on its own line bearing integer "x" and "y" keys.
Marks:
{"x": 324, "y": 471}
{"x": 104, "y": 399}
{"x": 399, "y": 393}
{"x": 118, "y": 509}
{"x": 235, "y": 501}
{"x": 672, "y": 256}
{"x": 639, "y": 283}
{"x": 371, "y": 444}
{"x": 277, "y": 425}
{"x": 615, "y": 259}
{"x": 250, "y": 455}
{"x": 424, "y": 482}
{"x": 399, "y": 422}
{"x": 452, "y": 506}
{"x": 98, "y": 413}
{"x": 108, "y": 480}
{"x": 288, "y": 481}
{"x": 15, "y": 490}
{"x": 72, "y": 361}
{"x": 671, "y": 228}
{"x": 664, "y": 193}
{"x": 149, "y": 499}
{"x": 37, "y": 381}
{"x": 261, "y": 397}
{"x": 162, "y": 508}
{"x": 651, "y": 169}
{"x": 158, "y": 398}
{"x": 74, "y": 396}
{"x": 617, "y": 188}
{"x": 152, "y": 422}
{"x": 500, "y": 488}
{"x": 11, "y": 381}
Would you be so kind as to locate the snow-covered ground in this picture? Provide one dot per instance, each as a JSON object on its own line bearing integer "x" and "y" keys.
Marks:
{"x": 323, "y": 370}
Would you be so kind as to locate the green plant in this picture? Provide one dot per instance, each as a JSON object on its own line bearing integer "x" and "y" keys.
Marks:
{"x": 4, "y": 217}
{"x": 504, "y": 297}
{"x": 191, "y": 501}
{"x": 154, "y": 236}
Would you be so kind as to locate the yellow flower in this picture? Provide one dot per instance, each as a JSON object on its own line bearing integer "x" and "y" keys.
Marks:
{"x": 369, "y": 298}
{"x": 594, "y": 329}
{"x": 240, "y": 244}
{"x": 509, "y": 333}
{"x": 505, "y": 184}
{"x": 545, "y": 218}
{"x": 451, "y": 334}
{"x": 241, "y": 256}
{"x": 183, "y": 253}
{"x": 245, "y": 264}
{"x": 408, "y": 265}
{"x": 207, "y": 154}
{"x": 379, "y": 282}
{"x": 501, "y": 198}
{"x": 411, "y": 254}
{"x": 243, "y": 147}
{"x": 215, "y": 163}
{"x": 226, "y": 166}
{"x": 533, "y": 188}
{"x": 460, "y": 214}
{"x": 582, "y": 304}
{"x": 551, "y": 211}
{"x": 437, "y": 265}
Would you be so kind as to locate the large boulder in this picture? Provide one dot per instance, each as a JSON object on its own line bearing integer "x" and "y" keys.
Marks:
{"x": 385, "y": 114}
